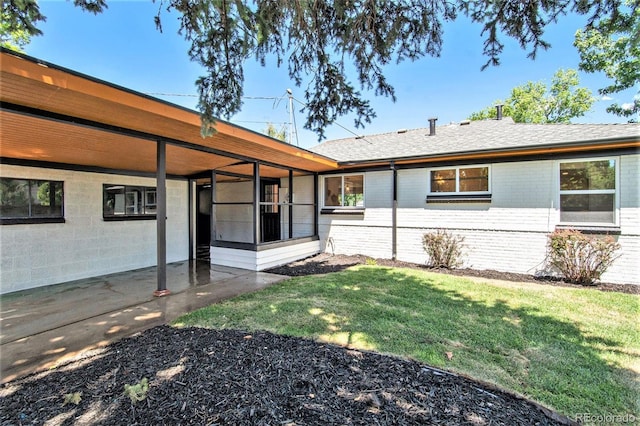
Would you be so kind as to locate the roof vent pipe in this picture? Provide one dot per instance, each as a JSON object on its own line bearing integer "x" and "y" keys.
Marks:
{"x": 432, "y": 126}
{"x": 499, "y": 112}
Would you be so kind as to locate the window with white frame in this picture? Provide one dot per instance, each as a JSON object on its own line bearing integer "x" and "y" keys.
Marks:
{"x": 466, "y": 180}
{"x": 344, "y": 191}
{"x": 588, "y": 191}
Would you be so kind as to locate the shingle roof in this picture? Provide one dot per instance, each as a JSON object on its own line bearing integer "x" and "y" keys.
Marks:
{"x": 477, "y": 136}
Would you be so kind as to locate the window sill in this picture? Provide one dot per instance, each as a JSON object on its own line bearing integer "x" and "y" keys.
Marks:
{"x": 343, "y": 211}
{"x": 590, "y": 229}
{"x": 443, "y": 199}
{"x": 124, "y": 217}
{"x": 31, "y": 220}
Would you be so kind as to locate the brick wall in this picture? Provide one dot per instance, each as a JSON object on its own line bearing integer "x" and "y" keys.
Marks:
{"x": 85, "y": 245}
{"x": 507, "y": 234}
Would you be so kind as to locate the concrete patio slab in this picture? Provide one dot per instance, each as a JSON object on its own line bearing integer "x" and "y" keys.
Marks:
{"x": 42, "y": 328}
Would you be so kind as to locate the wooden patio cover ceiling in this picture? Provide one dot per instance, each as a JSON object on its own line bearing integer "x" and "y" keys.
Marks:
{"x": 54, "y": 115}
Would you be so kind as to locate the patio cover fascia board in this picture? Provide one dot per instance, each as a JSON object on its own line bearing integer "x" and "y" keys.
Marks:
{"x": 80, "y": 122}
{"x": 37, "y": 90}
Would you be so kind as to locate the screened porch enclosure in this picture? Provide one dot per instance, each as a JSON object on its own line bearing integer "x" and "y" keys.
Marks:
{"x": 261, "y": 220}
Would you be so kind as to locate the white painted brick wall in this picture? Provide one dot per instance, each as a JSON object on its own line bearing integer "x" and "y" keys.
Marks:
{"x": 508, "y": 234}
{"x": 85, "y": 245}
{"x": 521, "y": 252}
{"x": 630, "y": 194}
{"x": 625, "y": 268}
{"x": 378, "y": 196}
{"x": 341, "y": 239}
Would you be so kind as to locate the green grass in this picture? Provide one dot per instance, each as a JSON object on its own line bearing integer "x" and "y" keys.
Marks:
{"x": 574, "y": 350}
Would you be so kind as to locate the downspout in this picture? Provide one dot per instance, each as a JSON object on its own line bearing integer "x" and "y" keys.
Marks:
{"x": 290, "y": 200}
{"x": 191, "y": 200}
{"x": 256, "y": 203}
{"x": 394, "y": 213}
{"x": 161, "y": 218}
{"x": 213, "y": 210}
{"x": 316, "y": 229}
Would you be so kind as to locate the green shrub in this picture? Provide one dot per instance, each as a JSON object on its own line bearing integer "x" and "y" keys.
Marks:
{"x": 581, "y": 259}
{"x": 444, "y": 249}
{"x": 138, "y": 391}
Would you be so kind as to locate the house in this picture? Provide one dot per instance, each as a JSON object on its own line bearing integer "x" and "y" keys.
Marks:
{"x": 96, "y": 178}
{"x": 503, "y": 186}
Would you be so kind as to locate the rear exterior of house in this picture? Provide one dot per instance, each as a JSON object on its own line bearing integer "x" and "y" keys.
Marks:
{"x": 96, "y": 179}
{"x": 502, "y": 186}
{"x": 106, "y": 223}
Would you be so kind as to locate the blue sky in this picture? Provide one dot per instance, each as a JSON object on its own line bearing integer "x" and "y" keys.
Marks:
{"x": 122, "y": 46}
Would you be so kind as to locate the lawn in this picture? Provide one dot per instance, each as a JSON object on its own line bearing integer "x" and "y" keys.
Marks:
{"x": 573, "y": 350}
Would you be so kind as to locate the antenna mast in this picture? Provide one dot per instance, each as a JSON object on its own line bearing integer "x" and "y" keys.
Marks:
{"x": 291, "y": 118}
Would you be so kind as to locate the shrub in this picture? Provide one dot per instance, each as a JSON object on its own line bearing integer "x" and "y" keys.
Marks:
{"x": 443, "y": 248}
{"x": 579, "y": 258}
{"x": 138, "y": 391}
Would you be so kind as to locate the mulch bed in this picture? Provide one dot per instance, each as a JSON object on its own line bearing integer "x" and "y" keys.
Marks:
{"x": 325, "y": 263}
{"x": 199, "y": 376}
{"x": 202, "y": 377}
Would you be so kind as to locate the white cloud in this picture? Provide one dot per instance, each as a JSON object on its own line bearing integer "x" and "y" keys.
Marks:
{"x": 606, "y": 98}
{"x": 627, "y": 106}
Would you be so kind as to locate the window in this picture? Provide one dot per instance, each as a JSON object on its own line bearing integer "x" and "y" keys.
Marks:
{"x": 459, "y": 180}
{"x": 128, "y": 202}
{"x": 270, "y": 197}
{"x": 344, "y": 191}
{"x": 588, "y": 192}
{"x": 31, "y": 201}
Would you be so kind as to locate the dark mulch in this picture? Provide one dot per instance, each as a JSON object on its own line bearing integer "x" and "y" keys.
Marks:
{"x": 201, "y": 377}
{"x": 325, "y": 263}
